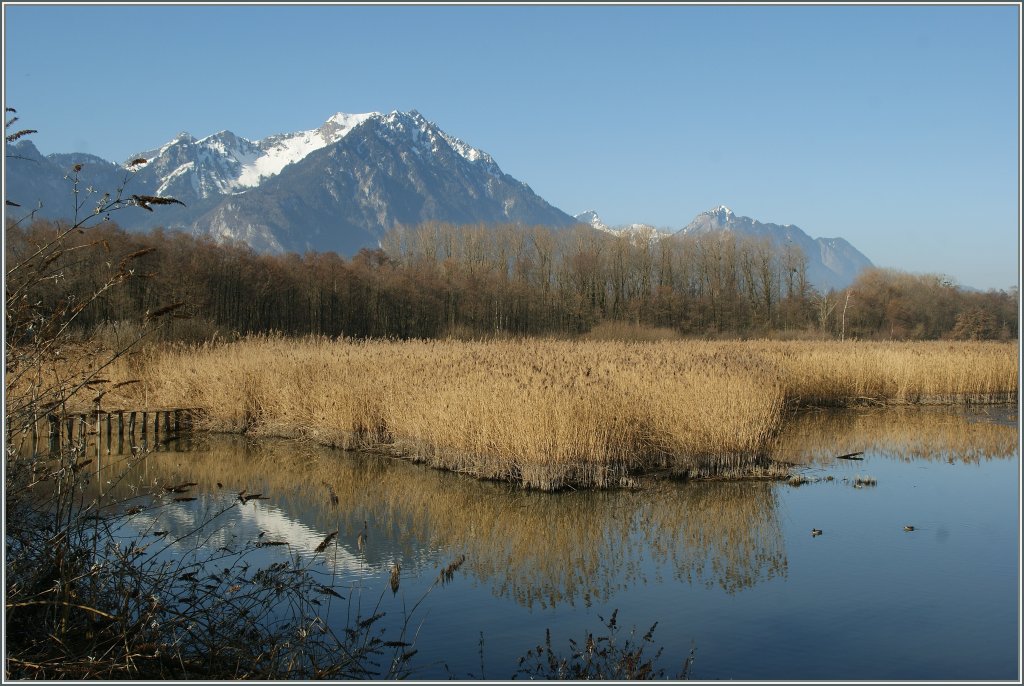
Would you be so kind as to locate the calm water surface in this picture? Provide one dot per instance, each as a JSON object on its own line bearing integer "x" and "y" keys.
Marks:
{"x": 729, "y": 569}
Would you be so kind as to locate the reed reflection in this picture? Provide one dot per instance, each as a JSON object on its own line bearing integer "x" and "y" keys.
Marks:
{"x": 948, "y": 434}
{"x": 538, "y": 548}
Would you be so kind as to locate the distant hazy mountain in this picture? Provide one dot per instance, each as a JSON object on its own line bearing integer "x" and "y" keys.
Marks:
{"x": 831, "y": 262}
{"x": 37, "y": 182}
{"x": 338, "y": 187}
{"x": 593, "y": 219}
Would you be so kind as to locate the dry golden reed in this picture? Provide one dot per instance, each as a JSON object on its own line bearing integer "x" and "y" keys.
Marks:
{"x": 550, "y": 414}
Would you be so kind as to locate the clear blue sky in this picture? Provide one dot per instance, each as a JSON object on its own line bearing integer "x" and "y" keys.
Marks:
{"x": 895, "y": 127}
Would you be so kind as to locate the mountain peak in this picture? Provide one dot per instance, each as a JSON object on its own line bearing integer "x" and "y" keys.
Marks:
{"x": 224, "y": 136}
{"x": 411, "y": 119}
{"x": 720, "y": 217}
{"x": 337, "y": 126}
{"x": 591, "y": 217}
{"x": 339, "y": 186}
{"x": 347, "y": 121}
{"x": 637, "y": 230}
{"x": 829, "y": 265}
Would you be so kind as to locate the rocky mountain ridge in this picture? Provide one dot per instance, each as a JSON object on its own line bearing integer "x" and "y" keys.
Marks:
{"x": 338, "y": 187}
{"x": 341, "y": 186}
{"x": 831, "y": 262}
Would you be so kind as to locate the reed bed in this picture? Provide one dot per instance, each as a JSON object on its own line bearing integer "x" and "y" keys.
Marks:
{"x": 551, "y": 414}
{"x": 836, "y": 373}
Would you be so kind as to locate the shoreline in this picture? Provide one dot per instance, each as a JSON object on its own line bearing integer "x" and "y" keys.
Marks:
{"x": 548, "y": 414}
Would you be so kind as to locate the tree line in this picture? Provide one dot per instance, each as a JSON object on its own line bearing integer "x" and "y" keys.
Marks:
{"x": 436, "y": 279}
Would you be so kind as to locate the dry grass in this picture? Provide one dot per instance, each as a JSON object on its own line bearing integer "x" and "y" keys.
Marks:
{"x": 541, "y": 413}
{"x": 934, "y": 372}
{"x": 611, "y": 330}
{"x": 552, "y": 414}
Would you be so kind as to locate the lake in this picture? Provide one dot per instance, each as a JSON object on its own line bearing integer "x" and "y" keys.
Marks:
{"x": 728, "y": 569}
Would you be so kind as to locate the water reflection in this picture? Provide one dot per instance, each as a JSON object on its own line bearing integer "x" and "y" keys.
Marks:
{"x": 538, "y": 549}
{"x": 935, "y": 603}
{"x": 948, "y": 434}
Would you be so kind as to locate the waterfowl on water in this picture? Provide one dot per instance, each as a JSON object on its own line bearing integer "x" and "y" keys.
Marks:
{"x": 908, "y": 528}
{"x": 815, "y": 532}
{"x": 396, "y": 572}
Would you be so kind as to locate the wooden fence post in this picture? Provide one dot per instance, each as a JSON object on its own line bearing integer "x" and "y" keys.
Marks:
{"x": 99, "y": 436}
{"x": 54, "y": 422}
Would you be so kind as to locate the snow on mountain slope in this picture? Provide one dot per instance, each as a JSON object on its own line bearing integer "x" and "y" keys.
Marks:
{"x": 644, "y": 231}
{"x": 279, "y": 151}
{"x": 591, "y": 217}
{"x": 224, "y": 163}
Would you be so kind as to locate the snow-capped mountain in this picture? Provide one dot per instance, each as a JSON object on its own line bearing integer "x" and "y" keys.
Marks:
{"x": 224, "y": 163}
{"x": 341, "y": 186}
{"x": 338, "y": 187}
{"x": 831, "y": 262}
{"x": 591, "y": 218}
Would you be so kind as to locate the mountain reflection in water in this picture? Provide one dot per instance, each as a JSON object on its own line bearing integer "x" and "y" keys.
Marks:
{"x": 729, "y": 566}
{"x": 537, "y": 548}
{"x": 547, "y": 549}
